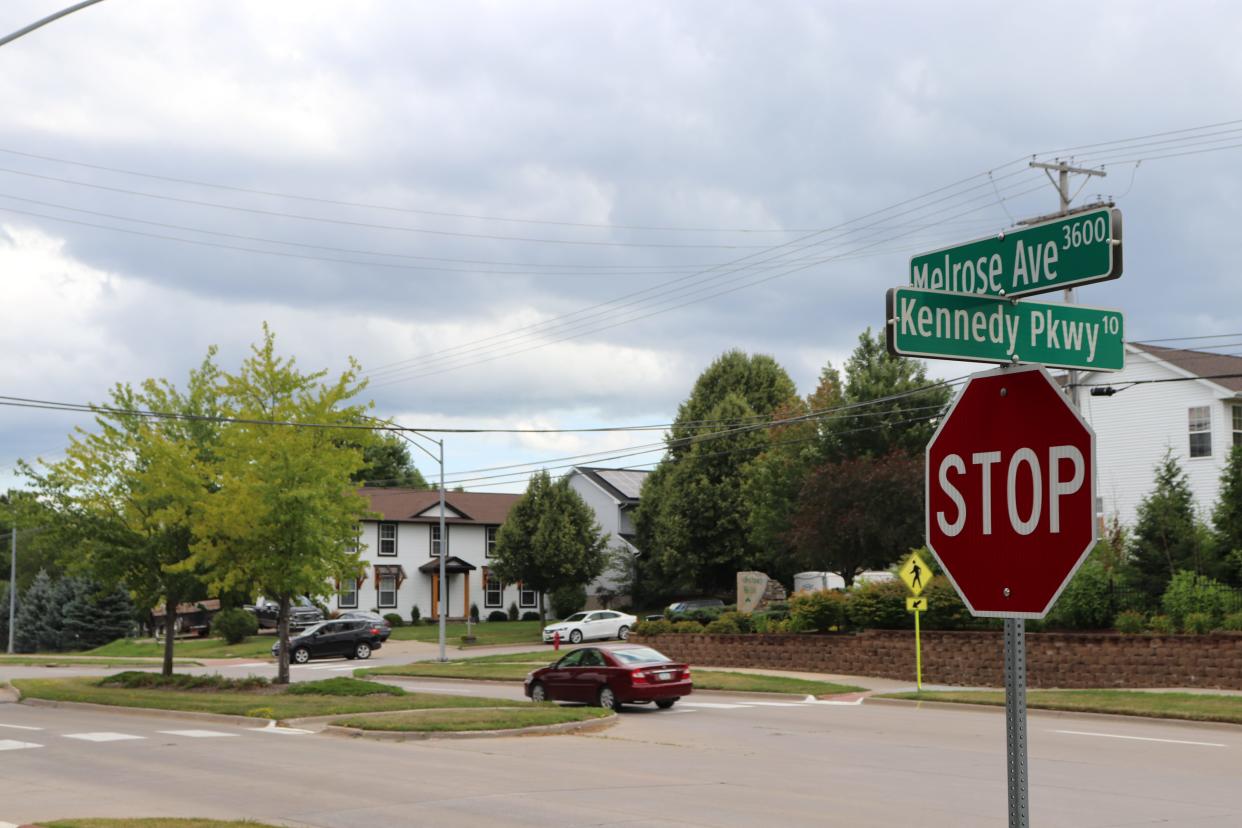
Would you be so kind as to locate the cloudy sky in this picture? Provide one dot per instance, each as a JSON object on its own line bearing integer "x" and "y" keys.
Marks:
{"x": 545, "y": 214}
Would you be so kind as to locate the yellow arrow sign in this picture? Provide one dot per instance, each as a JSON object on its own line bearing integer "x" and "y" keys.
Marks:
{"x": 915, "y": 573}
{"x": 916, "y": 604}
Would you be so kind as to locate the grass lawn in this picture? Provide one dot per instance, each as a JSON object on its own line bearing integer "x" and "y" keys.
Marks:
{"x": 256, "y": 646}
{"x": 154, "y": 822}
{"x": 1193, "y": 706}
{"x": 488, "y": 633}
{"x": 439, "y": 721}
{"x": 515, "y": 666}
{"x": 65, "y": 660}
{"x": 268, "y": 702}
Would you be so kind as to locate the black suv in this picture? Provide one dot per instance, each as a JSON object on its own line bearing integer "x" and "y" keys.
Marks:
{"x": 350, "y": 638}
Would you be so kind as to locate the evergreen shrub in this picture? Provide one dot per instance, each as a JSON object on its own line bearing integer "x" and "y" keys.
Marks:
{"x": 1130, "y": 622}
{"x": 233, "y": 625}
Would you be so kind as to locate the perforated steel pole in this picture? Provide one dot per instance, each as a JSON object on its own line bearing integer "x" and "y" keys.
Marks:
{"x": 1015, "y": 721}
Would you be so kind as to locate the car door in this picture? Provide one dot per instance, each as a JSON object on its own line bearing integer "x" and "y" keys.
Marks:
{"x": 556, "y": 679}
{"x": 591, "y": 675}
{"x": 609, "y": 623}
{"x": 593, "y": 626}
{"x": 330, "y": 640}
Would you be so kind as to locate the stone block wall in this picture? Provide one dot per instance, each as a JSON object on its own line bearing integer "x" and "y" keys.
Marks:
{"x": 1067, "y": 660}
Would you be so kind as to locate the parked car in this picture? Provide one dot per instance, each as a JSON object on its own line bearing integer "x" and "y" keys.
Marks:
{"x": 582, "y": 626}
{"x": 352, "y": 638}
{"x": 365, "y": 615}
{"x": 302, "y": 613}
{"x": 681, "y": 607}
{"x": 611, "y": 677}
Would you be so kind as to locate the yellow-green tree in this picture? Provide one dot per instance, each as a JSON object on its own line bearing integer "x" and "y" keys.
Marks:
{"x": 128, "y": 493}
{"x": 284, "y": 518}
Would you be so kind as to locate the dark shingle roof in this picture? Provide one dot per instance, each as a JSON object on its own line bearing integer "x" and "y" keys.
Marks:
{"x": 622, "y": 484}
{"x": 474, "y": 507}
{"x": 1201, "y": 364}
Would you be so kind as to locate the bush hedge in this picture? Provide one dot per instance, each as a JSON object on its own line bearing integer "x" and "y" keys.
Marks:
{"x": 233, "y": 625}
{"x": 394, "y": 620}
{"x": 497, "y": 615}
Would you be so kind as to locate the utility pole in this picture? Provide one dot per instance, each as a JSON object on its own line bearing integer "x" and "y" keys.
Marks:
{"x": 1064, "y": 169}
{"x": 25, "y": 30}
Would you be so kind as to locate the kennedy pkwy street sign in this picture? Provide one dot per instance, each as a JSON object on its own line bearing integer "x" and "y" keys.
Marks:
{"x": 940, "y": 325}
{"x": 1051, "y": 255}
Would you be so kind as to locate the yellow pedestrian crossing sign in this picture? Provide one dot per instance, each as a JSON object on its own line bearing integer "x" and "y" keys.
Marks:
{"x": 915, "y": 573}
{"x": 916, "y": 604}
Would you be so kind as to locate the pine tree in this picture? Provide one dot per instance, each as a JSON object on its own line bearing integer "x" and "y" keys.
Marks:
{"x": 4, "y": 613}
{"x": 1166, "y": 535}
{"x": 36, "y": 632}
{"x": 114, "y": 616}
{"x": 1227, "y": 519}
{"x": 77, "y": 613}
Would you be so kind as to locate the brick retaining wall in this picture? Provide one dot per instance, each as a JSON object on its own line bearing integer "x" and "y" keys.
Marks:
{"x": 975, "y": 658}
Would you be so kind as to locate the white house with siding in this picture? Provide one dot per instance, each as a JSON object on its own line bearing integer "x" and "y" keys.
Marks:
{"x": 1185, "y": 402}
{"x": 613, "y": 494}
{"x": 401, "y": 549}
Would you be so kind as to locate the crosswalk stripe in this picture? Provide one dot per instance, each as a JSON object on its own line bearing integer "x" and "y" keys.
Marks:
{"x": 18, "y": 727}
{"x": 102, "y": 736}
{"x": 773, "y": 704}
{"x": 13, "y": 744}
{"x": 284, "y": 731}
{"x": 713, "y": 705}
{"x": 196, "y": 734}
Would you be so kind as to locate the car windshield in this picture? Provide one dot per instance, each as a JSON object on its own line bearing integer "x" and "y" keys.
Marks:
{"x": 577, "y": 616}
{"x": 638, "y": 655}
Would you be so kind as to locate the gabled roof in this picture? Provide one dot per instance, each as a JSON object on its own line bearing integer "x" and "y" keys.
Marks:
{"x": 1200, "y": 363}
{"x": 414, "y": 506}
{"x": 623, "y": 485}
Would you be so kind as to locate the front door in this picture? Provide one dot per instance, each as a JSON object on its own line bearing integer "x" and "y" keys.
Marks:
{"x": 435, "y": 597}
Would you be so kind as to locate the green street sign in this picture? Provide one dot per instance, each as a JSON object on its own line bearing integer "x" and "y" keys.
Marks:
{"x": 1052, "y": 255}
{"x": 942, "y": 325}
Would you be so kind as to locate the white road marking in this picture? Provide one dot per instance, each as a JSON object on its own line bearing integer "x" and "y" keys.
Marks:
{"x": 18, "y": 727}
{"x": 196, "y": 734}
{"x": 324, "y": 667}
{"x": 343, "y": 669}
{"x": 102, "y": 736}
{"x": 813, "y": 700}
{"x": 254, "y": 664}
{"x": 774, "y": 704}
{"x": 713, "y": 705}
{"x": 9, "y": 825}
{"x": 1139, "y": 738}
{"x": 12, "y": 744}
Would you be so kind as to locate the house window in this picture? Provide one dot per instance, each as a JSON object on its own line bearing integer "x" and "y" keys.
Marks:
{"x": 493, "y": 590}
{"x": 1237, "y": 425}
{"x": 387, "y": 591}
{"x": 388, "y": 539}
{"x": 1201, "y": 431}
{"x": 435, "y": 539}
{"x": 526, "y": 597}
{"x": 347, "y": 593}
{"x": 489, "y": 548}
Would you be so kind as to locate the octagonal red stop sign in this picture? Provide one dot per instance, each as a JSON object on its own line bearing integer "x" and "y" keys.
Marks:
{"x": 1011, "y": 492}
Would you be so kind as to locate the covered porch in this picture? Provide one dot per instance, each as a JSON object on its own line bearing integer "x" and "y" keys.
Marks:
{"x": 453, "y": 566}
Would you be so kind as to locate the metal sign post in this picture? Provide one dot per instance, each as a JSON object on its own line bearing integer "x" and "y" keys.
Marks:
{"x": 1015, "y": 720}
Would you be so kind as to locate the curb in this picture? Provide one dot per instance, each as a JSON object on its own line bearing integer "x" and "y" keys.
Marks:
{"x": 588, "y": 725}
{"x": 227, "y": 718}
{"x": 1060, "y": 714}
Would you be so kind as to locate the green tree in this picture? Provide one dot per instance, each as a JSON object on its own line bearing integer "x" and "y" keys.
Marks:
{"x": 284, "y": 517}
{"x": 1227, "y": 518}
{"x": 550, "y": 540}
{"x": 125, "y": 496}
{"x": 38, "y": 617}
{"x": 837, "y": 525}
{"x": 872, "y": 423}
{"x": 694, "y": 521}
{"x": 388, "y": 463}
{"x": 1166, "y": 535}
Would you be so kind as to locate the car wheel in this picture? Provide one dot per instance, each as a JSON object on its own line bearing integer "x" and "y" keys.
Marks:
{"x": 665, "y": 704}
{"x": 362, "y": 650}
{"x": 623, "y": 633}
{"x": 301, "y": 655}
{"x": 575, "y": 637}
{"x": 608, "y": 699}
{"x": 538, "y": 693}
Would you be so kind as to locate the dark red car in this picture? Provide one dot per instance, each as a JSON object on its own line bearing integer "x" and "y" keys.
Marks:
{"x": 611, "y": 677}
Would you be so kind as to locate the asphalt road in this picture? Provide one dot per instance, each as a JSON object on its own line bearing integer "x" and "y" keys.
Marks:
{"x": 715, "y": 760}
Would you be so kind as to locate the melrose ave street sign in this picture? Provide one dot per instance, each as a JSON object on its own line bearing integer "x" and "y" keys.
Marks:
{"x": 932, "y": 323}
{"x": 1011, "y": 492}
{"x": 1051, "y": 255}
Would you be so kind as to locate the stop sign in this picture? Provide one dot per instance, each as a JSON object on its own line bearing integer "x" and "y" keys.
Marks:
{"x": 1011, "y": 492}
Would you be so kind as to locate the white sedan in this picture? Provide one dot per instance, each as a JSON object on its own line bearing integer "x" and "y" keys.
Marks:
{"x": 596, "y": 624}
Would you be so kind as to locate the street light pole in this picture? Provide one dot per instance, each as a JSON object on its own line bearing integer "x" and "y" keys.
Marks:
{"x": 443, "y": 554}
{"x": 12, "y": 586}
{"x": 25, "y": 30}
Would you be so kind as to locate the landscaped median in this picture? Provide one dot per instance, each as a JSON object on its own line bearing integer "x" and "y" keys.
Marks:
{"x": 65, "y": 660}
{"x": 515, "y": 666}
{"x": 1198, "y": 707}
{"x": 543, "y": 718}
{"x": 253, "y": 697}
